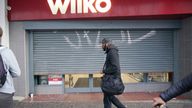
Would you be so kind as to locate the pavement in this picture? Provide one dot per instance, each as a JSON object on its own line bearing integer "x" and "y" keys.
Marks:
{"x": 94, "y": 100}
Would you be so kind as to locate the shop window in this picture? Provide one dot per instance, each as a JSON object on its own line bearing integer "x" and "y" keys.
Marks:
{"x": 83, "y": 80}
{"x": 97, "y": 80}
{"x": 159, "y": 77}
{"x": 76, "y": 80}
{"x": 146, "y": 77}
{"x": 41, "y": 79}
{"x": 48, "y": 80}
{"x": 132, "y": 77}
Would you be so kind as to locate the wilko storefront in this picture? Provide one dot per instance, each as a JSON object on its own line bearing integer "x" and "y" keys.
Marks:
{"x": 58, "y": 41}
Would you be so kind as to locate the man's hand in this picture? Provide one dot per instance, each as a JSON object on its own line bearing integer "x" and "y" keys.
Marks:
{"x": 157, "y": 101}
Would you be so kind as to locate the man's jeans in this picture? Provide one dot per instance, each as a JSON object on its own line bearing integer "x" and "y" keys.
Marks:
{"x": 108, "y": 99}
{"x": 6, "y": 100}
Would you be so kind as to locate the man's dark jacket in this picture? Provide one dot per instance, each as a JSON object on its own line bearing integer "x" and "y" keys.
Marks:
{"x": 112, "y": 65}
{"x": 179, "y": 88}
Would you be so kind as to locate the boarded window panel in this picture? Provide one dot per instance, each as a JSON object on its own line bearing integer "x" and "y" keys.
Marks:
{"x": 78, "y": 51}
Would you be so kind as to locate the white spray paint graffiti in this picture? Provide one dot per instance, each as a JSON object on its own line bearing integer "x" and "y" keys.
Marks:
{"x": 73, "y": 45}
{"x": 129, "y": 37}
{"x": 130, "y": 41}
{"x": 86, "y": 36}
{"x": 123, "y": 37}
{"x": 150, "y": 34}
{"x": 97, "y": 45}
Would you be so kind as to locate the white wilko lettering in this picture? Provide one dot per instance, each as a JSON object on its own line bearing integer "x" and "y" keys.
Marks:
{"x": 79, "y": 6}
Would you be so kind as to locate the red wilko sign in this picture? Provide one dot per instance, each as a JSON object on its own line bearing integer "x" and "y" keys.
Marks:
{"x": 94, "y": 9}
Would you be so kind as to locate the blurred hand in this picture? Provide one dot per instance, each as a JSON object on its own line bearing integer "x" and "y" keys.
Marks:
{"x": 157, "y": 101}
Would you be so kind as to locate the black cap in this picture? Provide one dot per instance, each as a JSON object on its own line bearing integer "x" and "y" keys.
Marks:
{"x": 105, "y": 40}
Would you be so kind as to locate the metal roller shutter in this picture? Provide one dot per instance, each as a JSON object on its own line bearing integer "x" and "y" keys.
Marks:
{"x": 78, "y": 51}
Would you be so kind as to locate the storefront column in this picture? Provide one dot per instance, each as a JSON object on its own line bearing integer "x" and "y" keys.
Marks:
{"x": 183, "y": 58}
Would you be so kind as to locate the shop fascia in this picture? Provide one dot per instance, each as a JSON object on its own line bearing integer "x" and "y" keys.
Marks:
{"x": 79, "y": 6}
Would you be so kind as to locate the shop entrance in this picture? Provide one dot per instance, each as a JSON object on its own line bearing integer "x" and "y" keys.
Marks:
{"x": 70, "y": 60}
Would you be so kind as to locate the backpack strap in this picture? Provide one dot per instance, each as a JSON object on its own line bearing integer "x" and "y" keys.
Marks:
{"x": 3, "y": 72}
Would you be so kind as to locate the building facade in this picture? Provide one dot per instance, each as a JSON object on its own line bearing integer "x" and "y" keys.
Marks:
{"x": 57, "y": 43}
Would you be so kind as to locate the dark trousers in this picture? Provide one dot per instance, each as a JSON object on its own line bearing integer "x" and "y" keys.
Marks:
{"x": 108, "y": 99}
{"x": 6, "y": 100}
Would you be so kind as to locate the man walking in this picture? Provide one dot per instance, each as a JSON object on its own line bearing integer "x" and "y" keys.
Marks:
{"x": 111, "y": 67}
{"x": 12, "y": 69}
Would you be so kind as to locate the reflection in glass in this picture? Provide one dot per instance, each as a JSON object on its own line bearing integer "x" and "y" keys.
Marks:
{"x": 146, "y": 77}
{"x": 76, "y": 80}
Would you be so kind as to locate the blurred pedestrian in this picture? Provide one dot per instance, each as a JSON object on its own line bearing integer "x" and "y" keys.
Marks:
{"x": 12, "y": 69}
{"x": 177, "y": 89}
